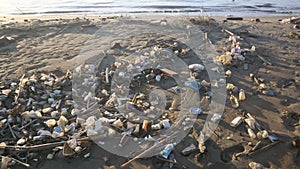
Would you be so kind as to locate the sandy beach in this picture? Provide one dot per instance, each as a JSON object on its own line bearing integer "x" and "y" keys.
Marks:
{"x": 35, "y": 44}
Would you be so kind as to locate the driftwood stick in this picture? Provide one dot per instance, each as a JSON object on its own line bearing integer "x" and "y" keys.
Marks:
{"x": 245, "y": 152}
{"x": 11, "y": 131}
{"x": 230, "y": 33}
{"x": 4, "y": 162}
{"x": 40, "y": 146}
{"x": 28, "y": 124}
{"x": 279, "y": 133}
{"x": 18, "y": 161}
{"x": 264, "y": 148}
{"x": 167, "y": 160}
{"x": 256, "y": 146}
{"x": 20, "y": 88}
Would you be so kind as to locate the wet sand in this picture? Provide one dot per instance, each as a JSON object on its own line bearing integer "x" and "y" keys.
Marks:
{"x": 53, "y": 44}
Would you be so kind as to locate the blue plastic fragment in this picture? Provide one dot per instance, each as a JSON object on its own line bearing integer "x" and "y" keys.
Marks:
{"x": 193, "y": 84}
{"x": 273, "y": 138}
{"x": 57, "y": 129}
{"x": 196, "y": 111}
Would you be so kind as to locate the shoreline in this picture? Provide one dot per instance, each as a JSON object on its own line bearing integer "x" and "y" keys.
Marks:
{"x": 191, "y": 12}
{"x": 26, "y": 18}
{"x": 153, "y": 14}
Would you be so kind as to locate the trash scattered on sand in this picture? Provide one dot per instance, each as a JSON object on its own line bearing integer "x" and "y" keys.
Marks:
{"x": 38, "y": 112}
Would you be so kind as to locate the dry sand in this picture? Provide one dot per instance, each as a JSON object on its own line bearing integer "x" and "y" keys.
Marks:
{"x": 52, "y": 44}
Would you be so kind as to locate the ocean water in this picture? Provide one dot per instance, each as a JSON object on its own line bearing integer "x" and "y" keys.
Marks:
{"x": 172, "y": 7}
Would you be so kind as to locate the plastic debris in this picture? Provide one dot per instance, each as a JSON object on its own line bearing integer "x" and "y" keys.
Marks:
{"x": 167, "y": 151}
{"x": 188, "y": 150}
{"x": 250, "y": 132}
{"x": 242, "y": 95}
{"x": 234, "y": 101}
{"x": 193, "y": 84}
{"x": 196, "y": 111}
{"x": 236, "y": 121}
{"x": 255, "y": 165}
{"x": 216, "y": 117}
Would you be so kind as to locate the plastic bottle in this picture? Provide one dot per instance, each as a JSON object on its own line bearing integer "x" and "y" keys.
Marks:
{"x": 234, "y": 101}
{"x": 250, "y": 122}
{"x": 145, "y": 125}
{"x": 156, "y": 126}
{"x": 264, "y": 134}
{"x": 166, "y": 123}
{"x": 196, "y": 111}
{"x": 216, "y": 117}
{"x": 255, "y": 165}
{"x": 250, "y": 132}
{"x": 236, "y": 121}
{"x": 158, "y": 78}
{"x": 167, "y": 151}
{"x": 242, "y": 95}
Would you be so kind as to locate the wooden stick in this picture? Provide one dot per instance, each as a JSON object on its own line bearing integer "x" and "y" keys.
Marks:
{"x": 40, "y": 146}
{"x": 28, "y": 124}
{"x": 18, "y": 161}
{"x": 280, "y": 133}
{"x": 11, "y": 131}
{"x": 230, "y": 33}
{"x": 167, "y": 160}
{"x": 4, "y": 162}
{"x": 245, "y": 152}
{"x": 264, "y": 60}
{"x": 106, "y": 75}
{"x": 256, "y": 146}
{"x": 20, "y": 88}
{"x": 264, "y": 148}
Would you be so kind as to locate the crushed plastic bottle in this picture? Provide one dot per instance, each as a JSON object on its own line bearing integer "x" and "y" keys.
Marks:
{"x": 236, "y": 121}
{"x": 196, "y": 67}
{"x": 166, "y": 123}
{"x": 216, "y": 117}
{"x": 193, "y": 84}
{"x": 250, "y": 122}
{"x": 167, "y": 151}
{"x": 234, "y": 101}
{"x": 262, "y": 134}
{"x": 196, "y": 111}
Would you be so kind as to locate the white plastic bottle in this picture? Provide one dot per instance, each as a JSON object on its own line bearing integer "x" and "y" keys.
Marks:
{"x": 234, "y": 101}
{"x": 242, "y": 95}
